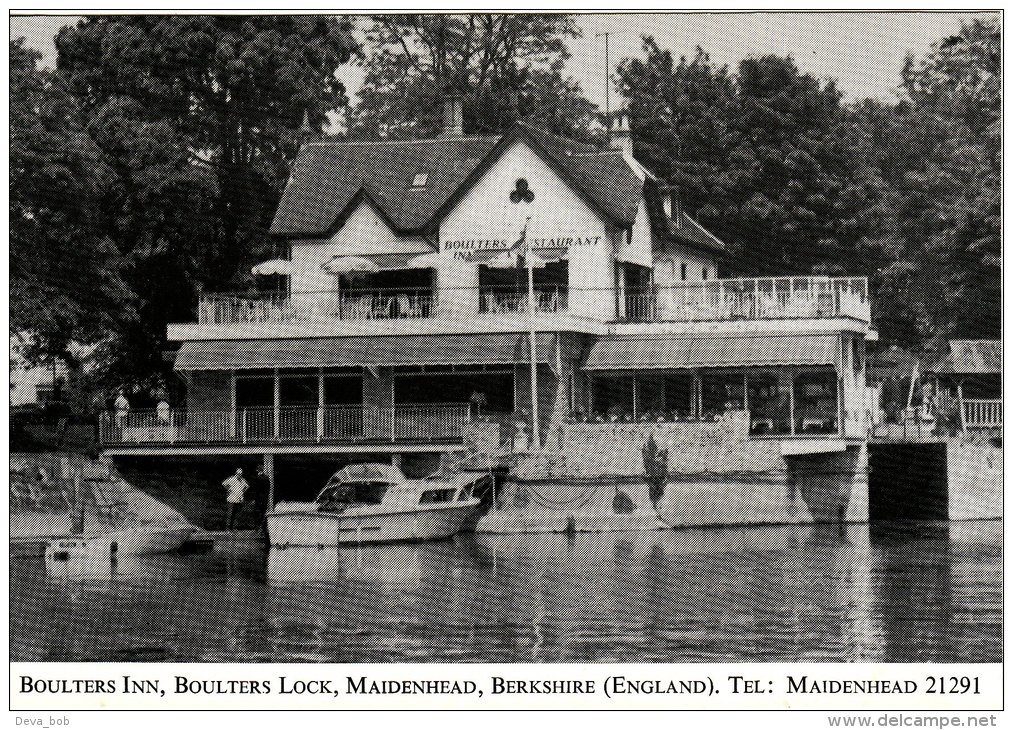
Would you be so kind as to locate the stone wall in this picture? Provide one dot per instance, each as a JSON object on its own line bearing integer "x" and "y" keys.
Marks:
{"x": 590, "y": 477}
{"x": 584, "y": 450}
{"x": 974, "y": 475}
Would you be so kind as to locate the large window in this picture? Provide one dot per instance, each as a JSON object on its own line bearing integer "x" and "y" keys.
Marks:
{"x": 388, "y": 294}
{"x": 490, "y": 390}
{"x": 816, "y": 399}
{"x": 769, "y": 405}
{"x": 659, "y": 395}
{"x": 638, "y": 300}
{"x": 342, "y": 390}
{"x": 612, "y": 395}
{"x": 722, "y": 392}
{"x": 299, "y": 391}
{"x": 506, "y": 290}
{"x": 254, "y": 392}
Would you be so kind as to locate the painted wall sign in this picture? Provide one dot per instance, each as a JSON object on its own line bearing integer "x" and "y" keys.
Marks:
{"x": 493, "y": 244}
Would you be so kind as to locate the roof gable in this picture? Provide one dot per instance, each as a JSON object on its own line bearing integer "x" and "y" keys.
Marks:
{"x": 666, "y": 230}
{"x": 971, "y": 357}
{"x": 330, "y": 178}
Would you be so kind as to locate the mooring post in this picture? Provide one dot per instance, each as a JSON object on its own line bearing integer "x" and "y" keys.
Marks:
{"x": 77, "y": 526}
{"x": 269, "y": 473}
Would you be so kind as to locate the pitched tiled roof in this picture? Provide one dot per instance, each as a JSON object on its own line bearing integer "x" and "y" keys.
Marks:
{"x": 602, "y": 175}
{"x": 328, "y": 175}
{"x": 971, "y": 357}
{"x": 686, "y": 232}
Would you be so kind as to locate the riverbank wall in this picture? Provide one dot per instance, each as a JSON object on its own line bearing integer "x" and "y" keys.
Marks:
{"x": 590, "y": 478}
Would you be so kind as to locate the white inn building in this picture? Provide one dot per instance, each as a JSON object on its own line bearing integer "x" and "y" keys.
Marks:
{"x": 399, "y": 331}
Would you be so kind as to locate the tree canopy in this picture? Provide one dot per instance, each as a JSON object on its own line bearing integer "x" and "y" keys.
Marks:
{"x": 765, "y": 157}
{"x": 65, "y": 274}
{"x": 504, "y": 67}
{"x": 796, "y": 181}
{"x": 197, "y": 119}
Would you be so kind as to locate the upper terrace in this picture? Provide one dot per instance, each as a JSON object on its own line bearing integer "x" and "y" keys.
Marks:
{"x": 719, "y": 300}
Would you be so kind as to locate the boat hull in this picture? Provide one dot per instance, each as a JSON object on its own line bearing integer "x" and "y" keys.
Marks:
{"x": 327, "y": 529}
{"x": 121, "y": 542}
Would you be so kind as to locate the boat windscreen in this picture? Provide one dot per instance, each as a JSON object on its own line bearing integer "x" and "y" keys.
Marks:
{"x": 369, "y": 473}
{"x": 342, "y": 495}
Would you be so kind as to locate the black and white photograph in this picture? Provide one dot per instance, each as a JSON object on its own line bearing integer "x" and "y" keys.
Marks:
{"x": 511, "y": 338}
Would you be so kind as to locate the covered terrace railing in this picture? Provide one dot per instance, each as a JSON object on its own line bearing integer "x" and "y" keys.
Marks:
{"x": 355, "y": 304}
{"x": 332, "y": 424}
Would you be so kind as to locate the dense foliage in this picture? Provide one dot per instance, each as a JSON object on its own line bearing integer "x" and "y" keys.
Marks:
{"x": 65, "y": 283}
{"x": 196, "y": 118}
{"x": 504, "y": 67}
{"x": 797, "y": 182}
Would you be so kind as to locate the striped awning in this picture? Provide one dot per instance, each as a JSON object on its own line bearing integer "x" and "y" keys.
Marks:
{"x": 646, "y": 353}
{"x": 392, "y": 350}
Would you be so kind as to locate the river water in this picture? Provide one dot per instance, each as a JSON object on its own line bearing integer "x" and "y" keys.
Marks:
{"x": 912, "y": 592}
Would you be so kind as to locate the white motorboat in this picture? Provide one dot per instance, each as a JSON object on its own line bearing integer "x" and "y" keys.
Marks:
{"x": 115, "y": 519}
{"x": 371, "y": 503}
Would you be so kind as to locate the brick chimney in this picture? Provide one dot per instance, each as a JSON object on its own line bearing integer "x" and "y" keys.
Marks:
{"x": 619, "y": 135}
{"x": 453, "y": 117}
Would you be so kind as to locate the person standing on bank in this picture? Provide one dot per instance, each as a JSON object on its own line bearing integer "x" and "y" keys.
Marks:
{"x": 237, "y": 487}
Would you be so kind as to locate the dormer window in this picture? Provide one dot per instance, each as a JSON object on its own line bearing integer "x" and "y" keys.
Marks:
{"x": 420, "y": 180}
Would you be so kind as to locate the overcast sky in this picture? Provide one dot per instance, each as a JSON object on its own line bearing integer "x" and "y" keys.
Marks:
{"x": 862, "y": 51}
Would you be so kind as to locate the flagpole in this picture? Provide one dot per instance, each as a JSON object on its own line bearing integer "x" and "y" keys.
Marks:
{"x": 536, "y": 442}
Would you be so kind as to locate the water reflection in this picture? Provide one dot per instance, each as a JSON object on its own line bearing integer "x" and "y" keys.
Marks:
{"x": 804, "y": 593}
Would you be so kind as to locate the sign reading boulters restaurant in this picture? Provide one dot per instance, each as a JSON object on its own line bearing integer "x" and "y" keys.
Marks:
{"x": 461, "y": 249}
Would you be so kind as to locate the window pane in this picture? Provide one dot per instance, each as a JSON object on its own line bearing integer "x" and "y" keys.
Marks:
{"x": 769, "y": 404}
{"x": 342, "y": 391}
{"x": 722, "y": 392}
{"x": 298, "y": 391}
{"x": 255, "y": 392}
{"x": 650, "y": 395}
{"x": 495, "y": 390}
{"x": 612, "y": 395}
{"x": 816, "y": 402}
{"x": 679, "y": 394}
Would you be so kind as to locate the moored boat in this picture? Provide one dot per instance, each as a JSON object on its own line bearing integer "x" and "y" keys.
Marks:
{"x": 371, "y": 503}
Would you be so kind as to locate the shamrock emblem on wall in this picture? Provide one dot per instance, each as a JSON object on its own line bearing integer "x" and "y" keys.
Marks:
{"x": 521, "y": 192}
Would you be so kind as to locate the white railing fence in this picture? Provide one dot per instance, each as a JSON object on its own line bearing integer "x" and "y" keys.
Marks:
{"x": 797, "y": 297}
{"x": 811, "y": 297}
{"x": 981, "y": 413}
{"x": 436, "y": 422}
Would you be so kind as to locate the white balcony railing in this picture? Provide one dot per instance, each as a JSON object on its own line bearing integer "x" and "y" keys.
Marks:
{"x": 332, "y": 424}
{"x": 813, "y": 297}
{"x": 979, "y": 413}
{"x": 308, "y": 306}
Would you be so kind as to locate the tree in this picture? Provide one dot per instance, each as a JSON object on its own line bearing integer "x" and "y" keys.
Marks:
{"x": 955, "y": 193}
{"x": 65, "y": 283}
{"x": 504, "y": 67}
{"x": 937, "y": 150}
{"x": 767, "y": 158}
{"x": 680, "y": 119}
{"x": 197, "y": 118}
